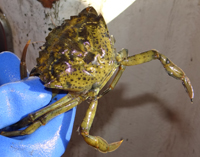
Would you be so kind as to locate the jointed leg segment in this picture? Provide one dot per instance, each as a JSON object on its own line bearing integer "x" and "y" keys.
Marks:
{"x": 95, "y": 141}
{"x": 42, "y": 116}
{"x": 172, "y": 69}
{"x": 114, "y": 81}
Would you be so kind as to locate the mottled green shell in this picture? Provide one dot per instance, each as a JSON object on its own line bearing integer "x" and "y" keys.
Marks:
{"x": 78, "y": 55}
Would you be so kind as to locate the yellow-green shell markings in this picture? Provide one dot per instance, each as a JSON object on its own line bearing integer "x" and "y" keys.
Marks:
{"x": 78, "y": 54}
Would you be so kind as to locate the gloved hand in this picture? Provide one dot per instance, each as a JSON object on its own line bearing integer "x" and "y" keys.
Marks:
{"x": 17, "y": 100}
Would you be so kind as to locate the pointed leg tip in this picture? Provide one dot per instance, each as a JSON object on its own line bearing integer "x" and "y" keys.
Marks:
{"x": 28, "y": 42}
{"x": 114, "y": 146}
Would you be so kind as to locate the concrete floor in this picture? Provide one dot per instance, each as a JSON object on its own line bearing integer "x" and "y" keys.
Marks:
{"x": 148, "y": 109}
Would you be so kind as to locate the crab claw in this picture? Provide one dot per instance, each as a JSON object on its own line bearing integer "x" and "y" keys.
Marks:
{"x": 177, "y": 73}
{"x": 188, "y": 87}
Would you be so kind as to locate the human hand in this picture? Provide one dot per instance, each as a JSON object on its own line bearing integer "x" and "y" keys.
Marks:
{"x": 17, "y": 100}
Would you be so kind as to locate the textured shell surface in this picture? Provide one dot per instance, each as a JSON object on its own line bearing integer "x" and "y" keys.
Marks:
{"x": 78, "y": 55}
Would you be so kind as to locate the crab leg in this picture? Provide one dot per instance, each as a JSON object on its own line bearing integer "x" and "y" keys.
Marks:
{"x": 95, "y": 141}
{"x": 114, "y": 81}
{"x": 172, "y": 69}
{"x": 45, "y": 118}
{"x": 33, "y": 116}
{"x": 23, "y": 69}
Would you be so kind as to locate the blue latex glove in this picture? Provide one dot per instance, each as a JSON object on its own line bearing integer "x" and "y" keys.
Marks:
{"x": 19, "y": 98}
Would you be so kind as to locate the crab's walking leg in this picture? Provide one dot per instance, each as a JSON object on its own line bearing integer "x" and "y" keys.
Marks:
{"x": 114, "y": 81}
{"x": 45, "y": 118}
{"x": 33, "y": 116}
{"x": 95, "y": 141}
{"x": 23, "y": 69}
{"x": 172, "y": 69}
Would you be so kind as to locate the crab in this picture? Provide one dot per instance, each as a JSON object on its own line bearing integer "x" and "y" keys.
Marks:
{"x": 79, "y": 57}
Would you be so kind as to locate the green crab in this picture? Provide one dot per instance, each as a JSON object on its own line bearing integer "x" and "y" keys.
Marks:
{"x": 79, "y": 57}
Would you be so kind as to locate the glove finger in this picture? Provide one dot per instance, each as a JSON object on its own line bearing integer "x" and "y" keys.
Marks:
{"x": 9, "y": 68}
{"x": 21, "y": 98}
